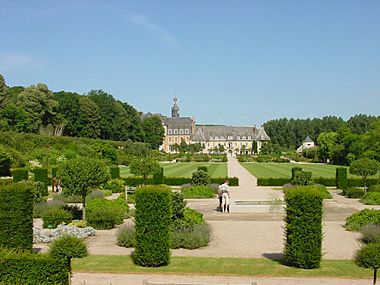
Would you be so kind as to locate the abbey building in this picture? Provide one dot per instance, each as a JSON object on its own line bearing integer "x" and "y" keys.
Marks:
{"x": 213, "y": 138}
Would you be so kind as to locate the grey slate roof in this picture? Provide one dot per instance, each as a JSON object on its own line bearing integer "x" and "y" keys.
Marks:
{"x": 307, "y": 140}
{"x": 178, "y": 122}
{"x": 203, "y": 133}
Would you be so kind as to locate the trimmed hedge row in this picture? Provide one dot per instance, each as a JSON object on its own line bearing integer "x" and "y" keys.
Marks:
{"x": 158, "y": 177}
{"x": 352, "y": 182}
{"x": 153, "y": 220}
{"x": 16, "y": 216}
{"x": 177, "y": 181}
{"x": 341, "y": 178}
{"x": 304, "y": 209}
{"x": 41, "y": 175}
{"x": 19, "y": 174}
{"x": 32, "y": 269}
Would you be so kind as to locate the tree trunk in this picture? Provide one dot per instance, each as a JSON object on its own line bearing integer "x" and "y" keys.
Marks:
{"x": 83, "y": 208}
{"x": 374, "y": 276}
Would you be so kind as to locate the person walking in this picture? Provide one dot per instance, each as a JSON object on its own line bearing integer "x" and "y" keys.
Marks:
{"x": 225, "y": 189}
{"x": 220, "y": 197}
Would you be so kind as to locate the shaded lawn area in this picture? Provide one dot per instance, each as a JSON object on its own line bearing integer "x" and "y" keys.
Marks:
{"x": 284, "y": 170}
{"x": 220, "y": 266}
{"x": 185, "y": 169}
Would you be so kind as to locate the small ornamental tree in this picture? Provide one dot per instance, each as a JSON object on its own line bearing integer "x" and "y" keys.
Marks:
{"x": 302, "y": 178}
{"x": 303, "y": 230}
{"x": 153, "y": 219}
{"x": 144, "y": 167}
{"x": 66, "y": 248}
{"x": 369, "y": 257}
{"x": 364, "y": 167}
{"x": 80, "y": 175}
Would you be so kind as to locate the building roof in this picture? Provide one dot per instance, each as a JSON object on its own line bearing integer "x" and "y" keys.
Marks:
{"x": 205, "y": 132}
{"x": 308, "y": 140}
{"x": 178, "y": 122}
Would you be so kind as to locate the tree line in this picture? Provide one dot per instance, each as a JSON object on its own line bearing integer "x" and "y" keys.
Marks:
{"x": 96, "y": 114}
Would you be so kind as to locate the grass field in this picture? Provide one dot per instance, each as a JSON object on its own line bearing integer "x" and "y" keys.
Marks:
{"x": 185, "y": 169}
{"x": 220, "y": 266}
{"x": 284, "y": 170}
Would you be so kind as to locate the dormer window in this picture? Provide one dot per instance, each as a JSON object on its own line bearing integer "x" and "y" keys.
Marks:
{"x": 244, "y": 138}
{"x": 170, "y": 131}
{"x": 187, "y": 131}
{"x": 181, "y": 131}
{"x": 238, "y": 138}
{"x": 211, "y": 138}
{"x": 175, "y": 131}
{"x": 216, "y": 138}
{"x": 222, "y": 138}
{"x": 230, "y": 138}
{"x": 249, "y": 138}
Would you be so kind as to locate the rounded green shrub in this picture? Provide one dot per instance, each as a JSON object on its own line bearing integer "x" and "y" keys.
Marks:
{"x": 115, "y": 185}
{"x": 56, "y": 216}
{"x": 200, "y": 177}
{"x": 359, "y": 219}
{"x": 198, "y": 192}
{"x": 68, "y": 247}
{"x": 369, "y": 256}
{"x": 178, "y": 205}
{"x": 153, "y": 219}
{"x": 354, "y": 192}
{"x": 371, "y": 198}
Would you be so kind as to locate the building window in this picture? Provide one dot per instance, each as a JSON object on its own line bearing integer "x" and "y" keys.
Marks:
{"x": 187, "y": 131}
{"x": 244, "y": 138}
{"x": 181, "y": 131}
{"x": 216, "y": 138}
{"x": 170, "y": 131}
{"x": 230, "y": 138}
{"x": 222, "y": 138}
{"x": 170, "y": 139}
{"x": 249, "y": 138}
{"x": 175, "y": 131}
{"x": 175, "y": 139}
{"x": 238, "y": 138}
{"x": 211, "y": 138}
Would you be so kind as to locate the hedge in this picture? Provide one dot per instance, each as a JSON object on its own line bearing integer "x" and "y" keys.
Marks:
{"x": 115, "y": 172}
{"x": 19, "y": 174}
{"x": 16, "y": 216}
{"x": 272, "y": 181}
{"x": 153, "y": 220}
{"x": 294, "y": 170}
{"x": 304, "y": 209}
{"x": 6, "y": 181}
{"x": 319, "y": 180}
{"x": 31, "y": 269}
{"x": 177, "y": 181}
{"x": 41, "y": 175}
{"x": 341, "y": 178}
{"x": 358, "y": 182}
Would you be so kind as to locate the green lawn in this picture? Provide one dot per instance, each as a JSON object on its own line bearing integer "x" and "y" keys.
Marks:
{"x": 220, "y": 266}
{"x": 284, "y": 170}
{"x": 185, "y": 169}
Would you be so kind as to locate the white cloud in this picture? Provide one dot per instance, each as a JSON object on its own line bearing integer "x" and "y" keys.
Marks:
{"x": 166, "y": 37}
{"x": 15, "y": 61}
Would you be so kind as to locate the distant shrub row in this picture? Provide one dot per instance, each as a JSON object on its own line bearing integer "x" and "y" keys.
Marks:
{"x": 177, "y": 181}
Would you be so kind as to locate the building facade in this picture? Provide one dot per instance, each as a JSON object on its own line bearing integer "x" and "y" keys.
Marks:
{"x": 213, "y": 138}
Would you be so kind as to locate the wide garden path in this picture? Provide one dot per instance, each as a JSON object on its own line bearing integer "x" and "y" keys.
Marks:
{"x": 248, "y": 189}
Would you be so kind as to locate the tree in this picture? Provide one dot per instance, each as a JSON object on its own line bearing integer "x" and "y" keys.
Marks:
{"x": 3, "y": 92}
{"x": 14, "y": 118}
{"x": 144, "y": 167}
{"x": 68, "y": 247}
{"x": 360, "y": 124}
{"x": 154, "y": 132}
{"x": 89, "y": 118}
{"x": 135, "y": 130}
{"x": 37, "y": 101}
{"x": 364, "y": 167}
{"x": 326, "y": 142}
{"x": 369, "y": 257}
{"x": 79, "y": 175}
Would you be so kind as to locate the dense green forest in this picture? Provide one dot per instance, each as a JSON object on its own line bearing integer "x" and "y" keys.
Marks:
{"x": 97, "y": 114}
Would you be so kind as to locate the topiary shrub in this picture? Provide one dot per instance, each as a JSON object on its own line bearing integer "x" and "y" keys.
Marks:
{"x": 55, "y": 217}
{"x": 198, "y": 192}
{"x": 178, "y": 205}
{"x": 359, "y": 219}
{"x": 31, "y": 269}
{"x": 318, "y": 188}
{"x": 40, "y": 192}
{"x": 200, "y": 177}
{"x": 203, "y": 167}
{"x": 19, "y": 174}
{"x": 104, "y": 214}
{"x": 341, "y": 178}
{"x": 354, "y": 192}
{"x": 158, "y": 176}
{"x": 115, "y": 172}
{"x": 5, "y": 164}
{"x": 41, "y": 175}
{"x": 16, "y": 216}
{"x": 303, "y": 245}
{"x": 302, "y": 178}
{"x": 370, "y": 233}
{"x": 126, "y": 236}
{"x": 371, "y": 198}
{"x": 294, "y": 170}
{"x": 153, "y": 218}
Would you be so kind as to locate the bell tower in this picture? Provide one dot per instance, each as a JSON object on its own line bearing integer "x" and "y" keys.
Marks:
{"x": 175, "y": 108}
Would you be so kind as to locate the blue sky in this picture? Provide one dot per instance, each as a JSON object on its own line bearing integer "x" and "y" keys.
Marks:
{"x": 229, "y": 62}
